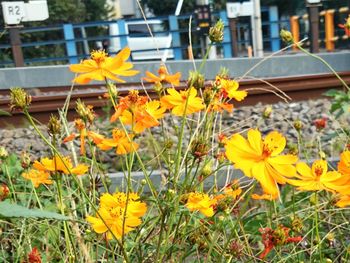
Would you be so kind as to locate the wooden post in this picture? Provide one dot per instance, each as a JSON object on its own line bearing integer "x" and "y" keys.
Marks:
{"x": 295, "y": 30}
{"x": 15, "y": 40}
{"x": 329, "y": 29}
{"x": 314, "y": 18}
{"x": 233, "y": 30}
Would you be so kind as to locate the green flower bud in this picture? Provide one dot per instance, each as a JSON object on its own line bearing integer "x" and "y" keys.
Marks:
{"x": 216, "y": 33}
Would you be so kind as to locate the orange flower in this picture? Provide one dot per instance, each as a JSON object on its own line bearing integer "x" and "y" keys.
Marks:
{"x": 121, "y": 141}
{"x": 144, "y": 117}
{"x": 37, "y": 177}
{"x": 343, "y": 201}
{"x": 164, "y": 76}
{"x": 100, "y": 67}
{"x": 34, "y": 256}
{"x": 230, "y": 89}
{"x": 319, "y": 178}
{"x": 110, "y": 218}
{"x": 231, "y": 191}
{"x": 57, "y": 164}
{"x": 132, "y": 102}
{"x": 83, "y": 132}
{"x": 344, "y": 164}
{"x": 278, "y": 237}
{"x": 218, "y": 105}
{"x": 177, "y": 101}
{"x": 201, "y": 202}
{"x": 346, "y": 26}
{"x": 262, "y": 159}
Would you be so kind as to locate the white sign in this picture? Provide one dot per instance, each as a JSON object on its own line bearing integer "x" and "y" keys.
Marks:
{"x": 239, "y": 9}
{"x": 18, "y": 11}
{"x": 13, "y": 12}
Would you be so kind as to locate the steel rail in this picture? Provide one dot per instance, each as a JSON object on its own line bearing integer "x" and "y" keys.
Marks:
{"x": 47, "y": 100}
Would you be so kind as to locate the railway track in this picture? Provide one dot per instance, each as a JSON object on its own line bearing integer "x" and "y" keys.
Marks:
{"x": 47, "y": 100}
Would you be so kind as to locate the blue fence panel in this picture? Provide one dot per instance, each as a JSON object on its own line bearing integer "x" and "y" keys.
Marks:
{"x": 227, "y": 34}
{"x": 274, "y": 28}
{"x": 174, "y": 27}
{"x": 70, "y": 43}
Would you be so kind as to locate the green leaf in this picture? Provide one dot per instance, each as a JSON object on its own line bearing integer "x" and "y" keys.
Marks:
{"x": 9, "y": 210}
{"x": 331, "y": 93}
{"x": 4, "y": 113}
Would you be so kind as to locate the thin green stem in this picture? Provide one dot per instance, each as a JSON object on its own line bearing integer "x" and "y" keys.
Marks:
{"x": 76, "y": 180}
{"x": 325, "y": 63}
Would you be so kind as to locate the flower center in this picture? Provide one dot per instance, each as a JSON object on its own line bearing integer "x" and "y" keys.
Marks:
{"x": 99, "y": 56}
{"x": 267, "y": 150}
{"x": 318, "y": 171}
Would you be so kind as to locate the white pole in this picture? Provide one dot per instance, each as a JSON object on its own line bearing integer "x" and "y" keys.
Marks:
{"x": 177, "y": 12}
{"x": 257, "y": 30}
{"x": 178, "y": 7}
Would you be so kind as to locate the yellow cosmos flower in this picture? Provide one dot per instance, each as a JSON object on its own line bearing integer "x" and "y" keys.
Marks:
{"x": 177, "y": 101}
{"x": 318, "y": 178}
{"x": 120, "y": 141}
{"x": 201, "y": 202}
{"x": 112, "y": 211}
{"x": 57, "y": 165}
{"x": 164, "y": 76}
{"x": 100, "y": 67}
{"x": 261, "y": 159}
{"x": 230, "y": 88}
{"x": 344, "y": 164}
{"x": 144, "y": 116}
{"x": 37, "y": 177}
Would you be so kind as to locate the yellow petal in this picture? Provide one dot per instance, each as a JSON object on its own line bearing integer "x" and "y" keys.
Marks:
{"x": 254, "y": 138}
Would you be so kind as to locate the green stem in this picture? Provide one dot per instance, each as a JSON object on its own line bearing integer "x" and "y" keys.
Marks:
{"x": 316, "y": 219}
{"x": 76, "y": 180}
{"x": 324, "y": 62}
{"x": 10, "y": 182}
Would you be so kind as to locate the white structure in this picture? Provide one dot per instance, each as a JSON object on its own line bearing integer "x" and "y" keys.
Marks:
{"x": 19, "y": 11}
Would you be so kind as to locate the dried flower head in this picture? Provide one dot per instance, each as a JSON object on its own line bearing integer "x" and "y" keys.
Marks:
{"x": 4, "y": 191}
{"x": 216, "y": 33}
{"x": 25, "y": 159}
{"x": 320, "y": 123}
{"x": 297, "y": 224}
{"x": 54, "y": 126}
{"x": 19, "y": 99}
{"x": 85, "y": 112}
{"x": 199, "y": 148}
{"x": 195, "y": 80}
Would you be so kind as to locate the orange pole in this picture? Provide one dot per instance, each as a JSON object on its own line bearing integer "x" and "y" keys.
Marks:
{"x": 329, "y": 28}
{"x": 294, "y": 26}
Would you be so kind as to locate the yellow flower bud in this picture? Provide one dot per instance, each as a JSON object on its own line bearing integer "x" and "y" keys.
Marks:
{"x": 3, "y": 153}
{"x": 298, "y": 125}
{"x": 286, "y": 36}
{"x": 207, "y": 169}
{"x": 267, "y": 111}
{"x": 112, "y": 90}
